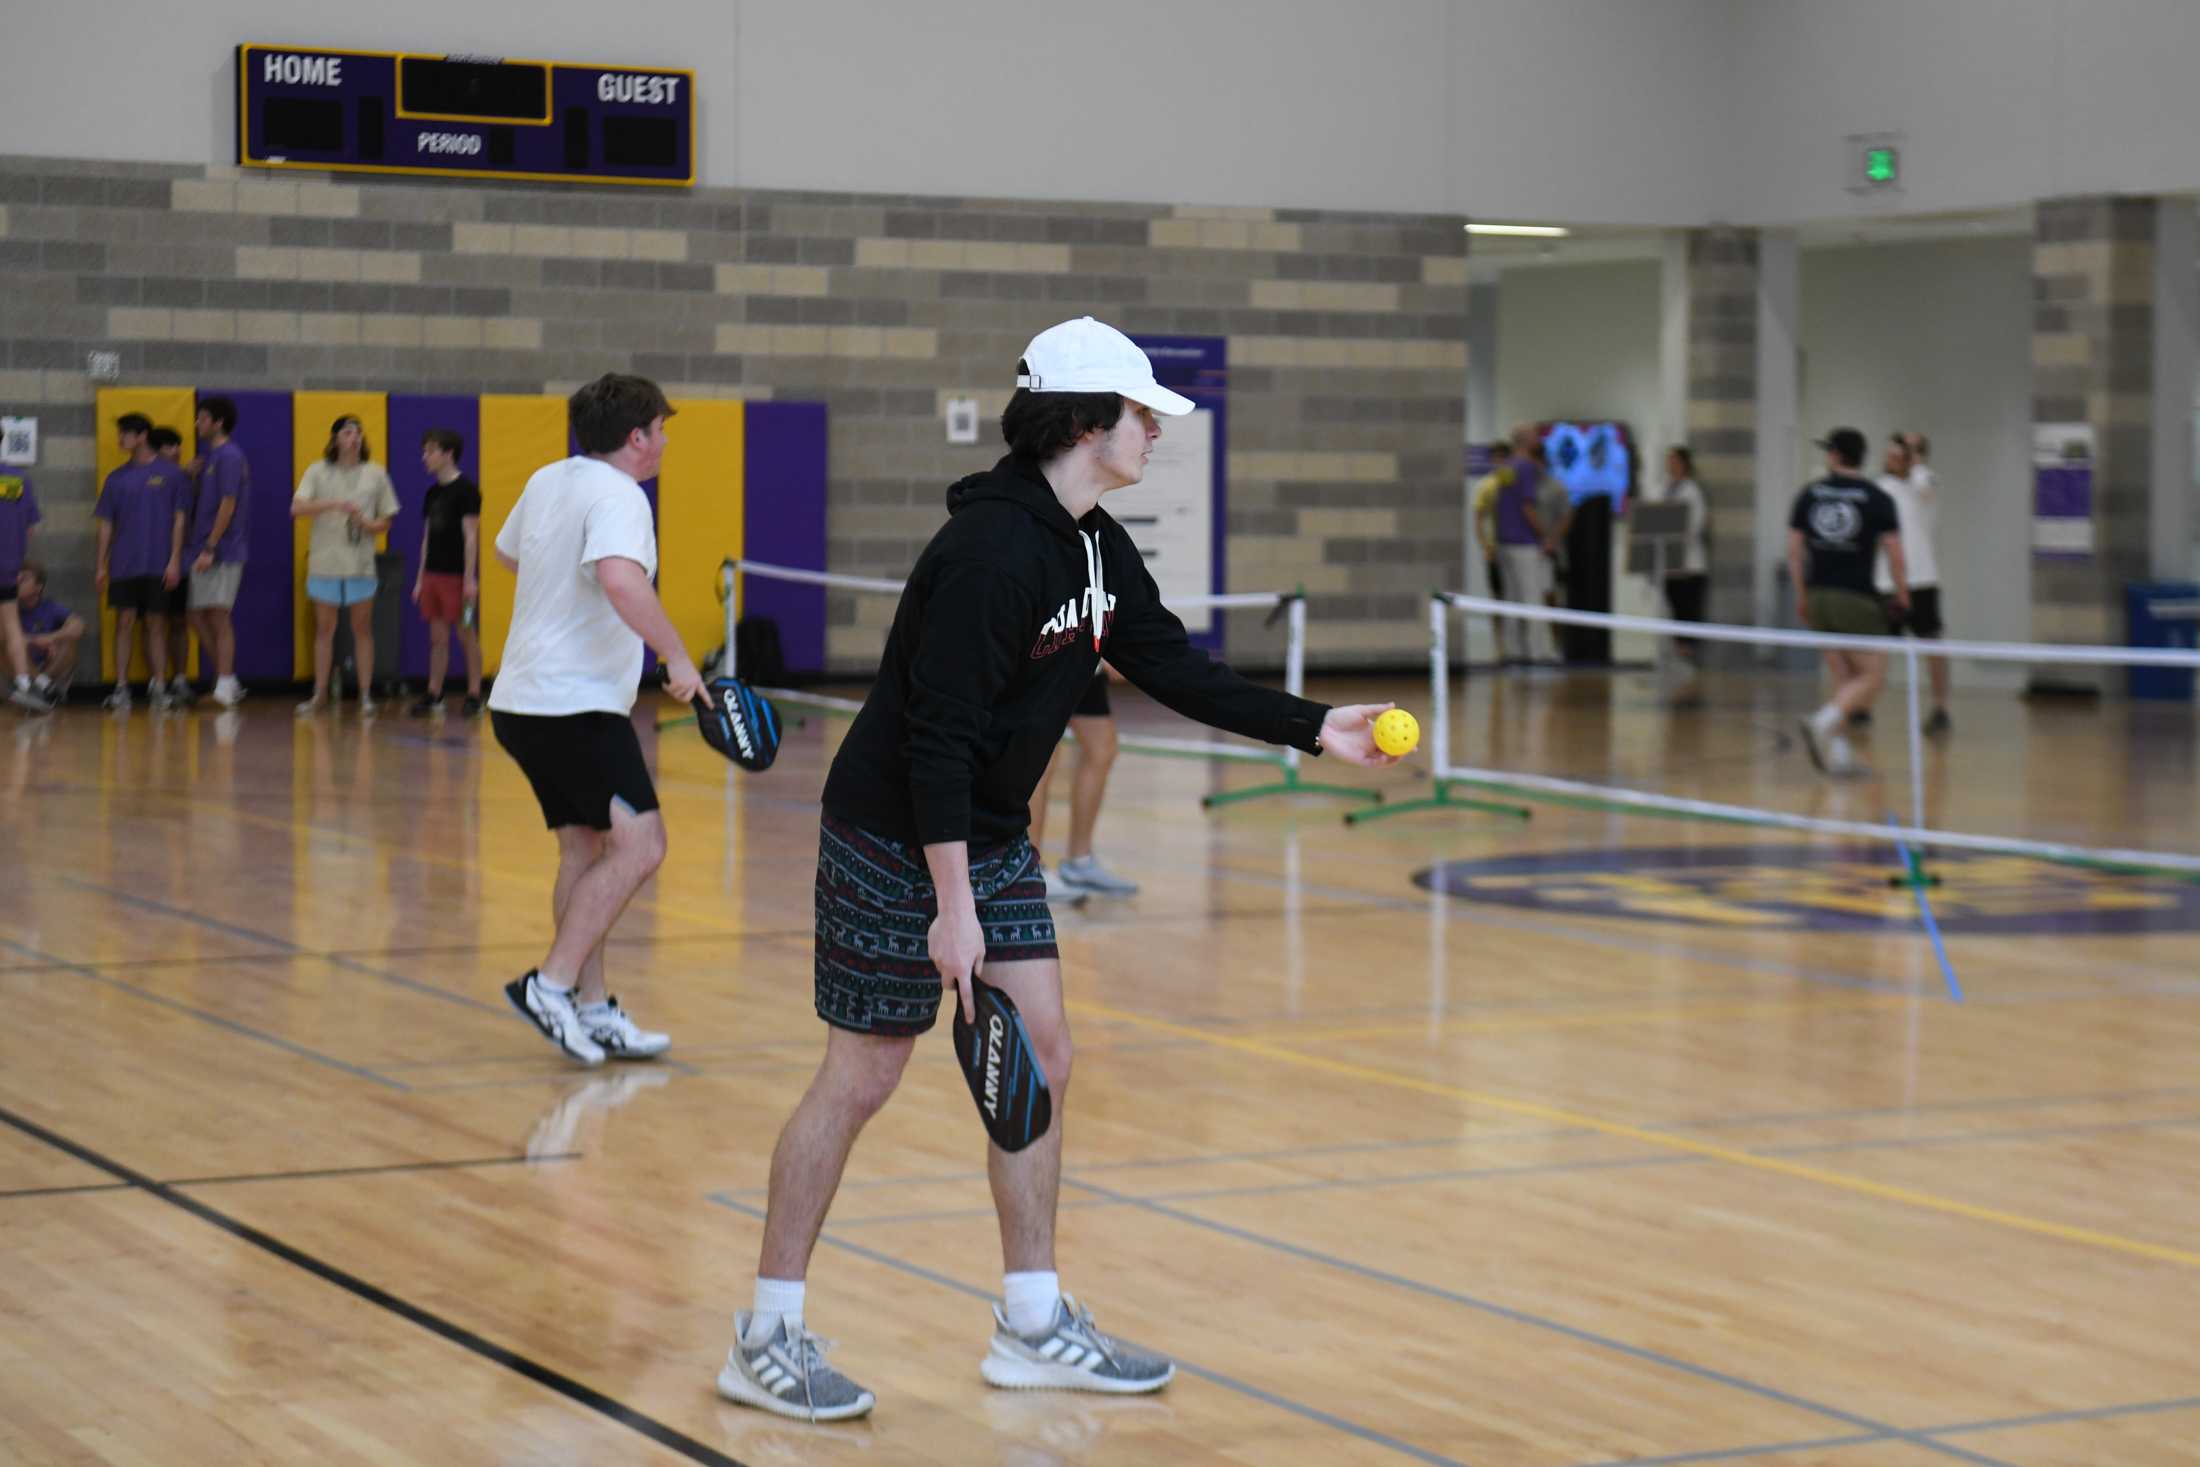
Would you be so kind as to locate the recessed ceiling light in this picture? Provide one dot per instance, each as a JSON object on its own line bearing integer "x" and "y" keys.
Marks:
{"x": 1526, "y": 231}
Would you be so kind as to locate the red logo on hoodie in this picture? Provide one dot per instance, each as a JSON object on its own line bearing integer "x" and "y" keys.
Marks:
{"x": 1068, "y": 624}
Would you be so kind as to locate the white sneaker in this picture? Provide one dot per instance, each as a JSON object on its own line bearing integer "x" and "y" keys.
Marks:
{"x": 1087, "y": 873}
{"x": 310, "y": 707}
{"x": 1841, "y": 758}
{"x": 228, "y": 692}
{"x": 25, "y": 697}
{"x": 368, "y": 707}
{"x": 1059, "y": 892}
{"x": 551, "y": 1010}
{"x": 785, "y": 1373}
{"x": 118, "y": 701}
{"x": 1070, "y": 1355}
{"x": 618, "y": 1036}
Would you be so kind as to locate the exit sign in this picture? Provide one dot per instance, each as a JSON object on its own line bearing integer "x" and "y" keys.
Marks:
{"x": 1875, "y": 162}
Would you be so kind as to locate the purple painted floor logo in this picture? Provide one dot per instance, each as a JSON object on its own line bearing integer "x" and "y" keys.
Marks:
{"x": 1837, "y": 888}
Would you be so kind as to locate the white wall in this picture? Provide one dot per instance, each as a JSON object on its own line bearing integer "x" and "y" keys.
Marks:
{"x": 1585, "y": 109}
{"x": 1937, "y": 337}
{"x": 2001, "y": 101}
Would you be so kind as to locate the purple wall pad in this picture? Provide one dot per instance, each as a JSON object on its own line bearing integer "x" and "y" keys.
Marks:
{"x": 410, "y": 417}
{"x": 783, "y": 522}
{"x": 264, "y": 613}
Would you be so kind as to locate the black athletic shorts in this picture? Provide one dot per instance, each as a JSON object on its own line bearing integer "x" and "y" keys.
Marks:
{"x": 1924, "y": 617}
{"x": 1094, "y": 702}
{"x": 578, "y": 763}
{"x": 7, "y": 590}
{"x": 875, "y": 905}
{"x": 146, "y": 596}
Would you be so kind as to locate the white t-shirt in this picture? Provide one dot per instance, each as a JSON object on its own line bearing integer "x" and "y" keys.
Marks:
{"x": 568, "y": 651}
{"x": 1918, "y": 503}
{"x": 1694, "y": 562}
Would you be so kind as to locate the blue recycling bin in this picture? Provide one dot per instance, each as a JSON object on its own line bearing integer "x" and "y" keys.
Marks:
{"x": 2162, "y": 614}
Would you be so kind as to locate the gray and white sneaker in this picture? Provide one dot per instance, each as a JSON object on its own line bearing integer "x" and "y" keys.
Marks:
{"x": 118, "y": 701}
{"x": 27, "y": 698}
{"x": 1087, "y": 874}
{"x": 618, "y": 1036}
{"x": 785, "y": 1373}
{"x": 1811, "y": 746}
{"x": 551, "y": 1010}
{"x": 1070, "y": 1355}
{"x": 1059, "y": 892}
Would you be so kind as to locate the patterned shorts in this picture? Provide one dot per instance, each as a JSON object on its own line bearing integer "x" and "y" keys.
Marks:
{"x": 875, "y": 906}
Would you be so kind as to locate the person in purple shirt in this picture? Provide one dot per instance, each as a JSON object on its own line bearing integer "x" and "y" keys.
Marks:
{"x": 140, "y": 515}
{"x": 168, "y": 446}
{"x": 18, "y": 518}
{"x": 1521, "y": 536}
{"x": 215, "y": 547}
{"x": 52, "y": 634}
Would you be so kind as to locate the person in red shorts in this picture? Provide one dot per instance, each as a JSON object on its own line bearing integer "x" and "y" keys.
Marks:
{"x": 449, "y": 583}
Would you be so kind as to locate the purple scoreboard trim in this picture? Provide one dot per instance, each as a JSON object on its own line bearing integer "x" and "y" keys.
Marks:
{"x": 1199, "y": 367}
{"x": 350, "y": 99}
{"x": 783, "y": 522}
{"x": 263, "y": 613}
{"x": 409, "y": 417}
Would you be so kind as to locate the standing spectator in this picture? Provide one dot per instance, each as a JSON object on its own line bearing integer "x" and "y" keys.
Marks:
{"x": 168, "y": 445}
{"x": 1520, "y": 540}
{"x": 1916, "y": 498}
{"x": 350, "y": 501}
{"x": 1687, "y": 583}
{"x": 1838, "y": 523}
{"x": 221, "y": 526}
{"x": 139, "y": 557}
{"x": 52, "y": 636}
{"x": 1484, "y": 502}
{"x": 18, "y": 518}
{"x": 449, "y": 583}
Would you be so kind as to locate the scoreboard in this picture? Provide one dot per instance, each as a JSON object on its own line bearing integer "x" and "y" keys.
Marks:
{"x": 466, "y": 116}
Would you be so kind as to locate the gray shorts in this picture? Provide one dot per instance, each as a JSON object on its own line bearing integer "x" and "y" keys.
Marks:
{"x": 215, "y": 588}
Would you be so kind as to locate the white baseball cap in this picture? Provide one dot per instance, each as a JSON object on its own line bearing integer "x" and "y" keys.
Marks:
{"x": 1085, "y": 355}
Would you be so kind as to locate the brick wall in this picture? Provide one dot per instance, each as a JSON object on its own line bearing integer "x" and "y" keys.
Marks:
{"x": 1346, "y": 338}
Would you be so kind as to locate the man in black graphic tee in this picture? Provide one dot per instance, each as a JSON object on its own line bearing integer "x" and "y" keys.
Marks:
{"x": 1840, "y": 525}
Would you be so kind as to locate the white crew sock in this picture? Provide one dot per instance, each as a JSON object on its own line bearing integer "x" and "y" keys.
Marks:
{"x": 776, "y": 1299}
{"x": 1030, "y": 1299}
{"x": 1826, "y": 720}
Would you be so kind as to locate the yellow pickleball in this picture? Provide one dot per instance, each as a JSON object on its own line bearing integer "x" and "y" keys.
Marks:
{"x": 1397, "y": 732}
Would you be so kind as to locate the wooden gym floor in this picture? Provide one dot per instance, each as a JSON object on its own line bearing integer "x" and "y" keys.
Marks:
{"x": 1607, "y": 1163}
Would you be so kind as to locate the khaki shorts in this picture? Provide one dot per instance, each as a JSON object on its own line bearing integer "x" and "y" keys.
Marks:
{"x": 1851, "y": 612}
{"x": 215, "y": 588}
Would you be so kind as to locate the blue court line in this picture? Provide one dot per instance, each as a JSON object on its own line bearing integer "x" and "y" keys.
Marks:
{"x": 1741, "y": 1454}
{"x": 1213, "y": 1377}
{"x": 1916, "y": 870}
{"x": 1534, "y": 1321}
{"x": 83, "y": 971}
{"x": 282, "y": 945}
{"x": 2059, "y": 1418}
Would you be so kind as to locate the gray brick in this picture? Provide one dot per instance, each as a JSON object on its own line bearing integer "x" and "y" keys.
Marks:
{"x": 160, "y": 292}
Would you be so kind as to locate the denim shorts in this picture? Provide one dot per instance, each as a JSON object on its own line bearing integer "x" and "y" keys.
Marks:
{"x": 340, "y": 590}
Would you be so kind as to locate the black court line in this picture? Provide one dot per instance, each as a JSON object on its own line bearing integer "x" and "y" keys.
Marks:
{"x": 576, "y": 1391}
{"x": 386, "y": 1168}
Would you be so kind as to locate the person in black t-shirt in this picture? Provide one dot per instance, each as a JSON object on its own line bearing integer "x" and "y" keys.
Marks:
{"x": 1840, "y": 525}
{"x": 449, "y": 584}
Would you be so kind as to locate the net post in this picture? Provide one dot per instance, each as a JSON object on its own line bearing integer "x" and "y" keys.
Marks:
{"x": 1294, "y": 666}
{"x": 729, "y": 589}
{"x": 1916, "y": 736}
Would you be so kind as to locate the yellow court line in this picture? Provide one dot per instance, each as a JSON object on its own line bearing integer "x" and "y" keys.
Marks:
{"x": 1843, "y": 1181}
{"x": 1591, "y": 1019}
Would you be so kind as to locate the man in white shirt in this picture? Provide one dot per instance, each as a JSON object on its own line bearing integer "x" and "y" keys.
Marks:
{"x": 1908, "y": 480}
{"x": 584, "y": 547}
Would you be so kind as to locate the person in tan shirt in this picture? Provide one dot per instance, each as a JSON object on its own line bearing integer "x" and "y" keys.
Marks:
{"x": 350, "y": 501}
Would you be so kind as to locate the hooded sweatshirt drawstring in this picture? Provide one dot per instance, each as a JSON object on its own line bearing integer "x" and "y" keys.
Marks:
{"x": 1096, "y": 586}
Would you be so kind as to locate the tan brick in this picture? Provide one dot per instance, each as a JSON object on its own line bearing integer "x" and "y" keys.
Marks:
{"x": 140, "y": 323}
{"x": 328, "y": 328}
{"x": 1365, "y": 524}
{"x": 1444, "y": 270}
{"x": 469, "y": 238}
{"x": 512, "y": 334}
{"x": 63, "y": 451}
{"x": 911, "y": 343}
{"x": 264, "y": 262}
{"x": 203, "y": 196}
{"x": 1249, "y": 214}
{"x": 798, "y": 341}
{"x": 668, "y": 246}
{"x": 2062, "y": 349}
{"x": 739, "y": 339}
{"x": 317, "y": 264}
{"x": 936, "y": 254}
{"x": 542, "y": 239}
{"x": 21, "y": 384}
{"x": 602, "y": 244}
{"x": 743, "y": 279}
{"x": 801, "y": 280}
{"x": 986, "y": 255}
{"x": 206, "y": 325}
{"x": 882, "y": 254}
{"x": 389, "y": 267}
{"x": 328, "y": 201}
{"x": 271, "y": 327}
{"x": 451, "y": 331}
{"x": 70, "y": 387}
{"x": 1335, "y": 467}
{"x": 1225, "y": 234}
{"x": 266, "y": 196}
{"x": 855, "y": 341}
{"x": 1287, "y": 238}
{"x": 391, "y": 331}
{"x": 1173, "y": 234}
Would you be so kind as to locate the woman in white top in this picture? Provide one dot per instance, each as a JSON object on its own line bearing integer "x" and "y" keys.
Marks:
{"x": 350, "y": 501}
{"x": 1688, "y": 583}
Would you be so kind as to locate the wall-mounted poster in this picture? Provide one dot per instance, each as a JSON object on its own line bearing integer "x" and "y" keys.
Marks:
{"x": 2062, "y": 489}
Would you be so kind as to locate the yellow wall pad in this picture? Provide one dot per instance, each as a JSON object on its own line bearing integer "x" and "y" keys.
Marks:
{"x": 519, "y": 434}
{"x": 699, "y": 515}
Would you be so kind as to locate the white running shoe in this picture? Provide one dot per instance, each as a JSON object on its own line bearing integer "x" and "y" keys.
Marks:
{"x": 1841, "y": 759}
{"x": 228, "y": 693}
{"x": 26, "y": 697}
{"x": 1070, "y": 1355}
{"x": 1086, "y": 873}
{"x": 786, "y": 1374}
{"x": 551, "y": 1010}
{"x": 1059, "y": 892}
{"x": 310, "y": 707}
{"x": 118, "y": 701}
{"x": 618, "y": 1036}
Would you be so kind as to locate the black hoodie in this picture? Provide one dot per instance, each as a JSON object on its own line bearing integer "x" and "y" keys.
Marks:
{"x": 996, "y": 637}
